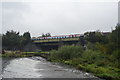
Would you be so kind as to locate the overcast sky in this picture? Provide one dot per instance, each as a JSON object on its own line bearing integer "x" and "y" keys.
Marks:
{"x": 59, "y": 16}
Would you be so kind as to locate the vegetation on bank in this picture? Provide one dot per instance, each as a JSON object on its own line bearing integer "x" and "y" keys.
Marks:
{"x": 17, "y": 54}
{"x": 94, "y": 61}
{"x": 100, "y": 56}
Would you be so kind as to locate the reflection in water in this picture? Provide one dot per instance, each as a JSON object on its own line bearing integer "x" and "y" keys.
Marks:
{"x": 37, "y": 67}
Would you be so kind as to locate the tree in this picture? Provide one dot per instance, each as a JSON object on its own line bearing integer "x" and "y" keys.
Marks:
{"x": 96, "y": 36}
{"x": 46, "y": 35}
{"x": 11, "y": 40}
{"x": 115, "y": 37}
{"x": 26, "y": 38}
{"x": 114, "y": 41}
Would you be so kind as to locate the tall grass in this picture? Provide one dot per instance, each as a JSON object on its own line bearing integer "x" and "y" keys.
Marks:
{"x": 91, "y": 60}
{"x": 67, "y": 52}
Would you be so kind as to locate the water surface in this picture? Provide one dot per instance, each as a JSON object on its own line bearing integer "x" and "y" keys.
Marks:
{"x": 37, "y": 67}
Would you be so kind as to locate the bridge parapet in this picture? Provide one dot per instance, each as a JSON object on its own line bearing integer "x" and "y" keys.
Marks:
{"x": 55, "y": 40}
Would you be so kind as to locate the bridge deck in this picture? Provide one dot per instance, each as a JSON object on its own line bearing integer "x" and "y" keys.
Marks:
{"x": 56, "y": 40}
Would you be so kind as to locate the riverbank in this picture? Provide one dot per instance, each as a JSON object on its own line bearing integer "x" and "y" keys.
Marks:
{"x": 86, "y": 63}
{"x": 107, "y": 73}
{"x": 92, "y": 61}
{"x": 19, "y": 54}
{"x": 5, "y": 62}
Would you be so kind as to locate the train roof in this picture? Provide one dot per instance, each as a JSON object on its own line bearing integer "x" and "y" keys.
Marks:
{"x": 57, "y": 36}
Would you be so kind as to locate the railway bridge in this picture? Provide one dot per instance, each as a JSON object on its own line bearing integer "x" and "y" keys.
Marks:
{"x": 50, "y": 44}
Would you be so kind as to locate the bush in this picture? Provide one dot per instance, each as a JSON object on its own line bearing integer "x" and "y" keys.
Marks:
{"x": 91, "y": 46}
{"x": 53, "y": 55}
{"x": 98, "y": 61}
{"x": 81, "y": 67}
{"x": 67, "y": 52}
{"x": 68, "y": 62}
{"x": 92, "y": 56}
{"x": 116, "y": 57}
{"x": 102, "y": 47}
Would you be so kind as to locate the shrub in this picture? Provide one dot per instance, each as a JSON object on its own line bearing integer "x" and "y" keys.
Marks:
{"x": 115, "y": 56}
{"x": 53, "y": 55}
{"x": 81, "y": 67}
{"x": 102, "y": 47}
{"x": 92, "y": 56}
{"x": 68, "y": 62}
{"x": 91, "y": 46}
{"x": 67, "y": 52}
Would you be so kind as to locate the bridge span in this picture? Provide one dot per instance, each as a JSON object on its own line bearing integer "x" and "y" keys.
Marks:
{"x": 50, "y": 44}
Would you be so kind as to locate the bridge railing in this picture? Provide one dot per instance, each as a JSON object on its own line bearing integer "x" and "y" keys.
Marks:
{"x": 57, "y": 40}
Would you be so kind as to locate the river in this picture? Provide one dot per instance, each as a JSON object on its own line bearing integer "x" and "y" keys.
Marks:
{"x": 38, "y": 67}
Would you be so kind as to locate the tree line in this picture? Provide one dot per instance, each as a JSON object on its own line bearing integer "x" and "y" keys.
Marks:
{"x": 107, "y": 42}
{"x": 12, "y": 40}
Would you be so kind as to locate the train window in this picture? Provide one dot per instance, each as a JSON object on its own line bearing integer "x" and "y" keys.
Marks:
{"x": 67, "y": 36}
{"x": 72, "y": 36}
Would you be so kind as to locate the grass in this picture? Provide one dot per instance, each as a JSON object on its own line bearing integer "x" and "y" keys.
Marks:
{"x": 93, "y": 61}
{"x": 108, "y": 73}
{"x": 12, "y": 54}
{"x": 16, "y": 54}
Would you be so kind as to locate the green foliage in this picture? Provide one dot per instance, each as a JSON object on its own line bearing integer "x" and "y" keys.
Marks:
{"x": 81, "y": 67}
{"x": 115, "y": 58}
{"x": 67, "y": 52}
{"x": 114, "y": 40}
{"x": 76, "y": 61}
{"x": 26, "y": 38}
{"x": 115, "y": 36}
{"x": 53, "y": 55}
{"x": 15, "y": 54}
{"x": 95, "y": 36}
{"x": 102, "y": 72}
{"x": 94, "y": 61}
{"x": 69, "y": 62}
{"x": 12, "y": 55}
{"x": 102, "y": 47}
{"x": 101, "y": 56}
{"x": 13, "y": 41}
{"x": 91, "y": 46}
{"x": 116, "y": 54}
{"x": 46, "y": 35}
{"x": 92, "y": 56}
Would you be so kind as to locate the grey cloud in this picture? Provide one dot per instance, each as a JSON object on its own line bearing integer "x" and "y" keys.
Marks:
{"x": 13, "y": 13}
{"x": 59, "y": 18}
